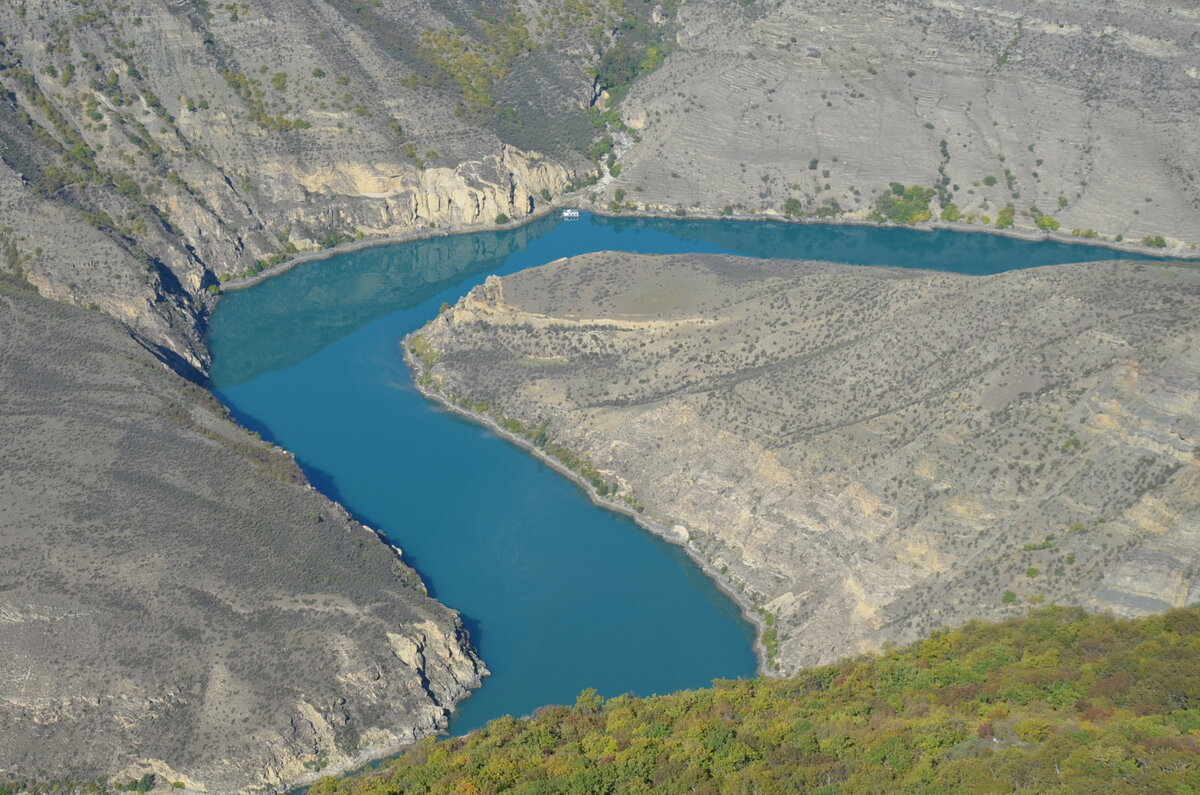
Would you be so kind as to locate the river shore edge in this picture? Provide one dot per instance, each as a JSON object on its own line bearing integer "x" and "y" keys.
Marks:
{"x": 747, "y": 610}
{"x": 426, "y": 233}
{"x": 366, "y": 757}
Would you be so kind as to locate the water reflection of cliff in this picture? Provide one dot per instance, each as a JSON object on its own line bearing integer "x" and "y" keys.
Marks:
{"x": 948, "y": 250}
{"x": 293, "y": 315}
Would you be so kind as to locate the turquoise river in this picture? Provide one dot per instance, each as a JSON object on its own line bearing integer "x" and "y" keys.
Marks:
{"x": 558, "y": 594}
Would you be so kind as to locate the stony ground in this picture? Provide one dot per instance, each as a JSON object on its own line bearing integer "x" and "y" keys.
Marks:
{"x": 174, "y": 599}
{"x": 1084, "y": 112}
{"x": 866, "y": 454}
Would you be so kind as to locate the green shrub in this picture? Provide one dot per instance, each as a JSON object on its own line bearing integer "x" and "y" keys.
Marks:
{"x": 829, "y": 209}
{"x": 1005, "y": 218}
{"x": 905, "y": 205}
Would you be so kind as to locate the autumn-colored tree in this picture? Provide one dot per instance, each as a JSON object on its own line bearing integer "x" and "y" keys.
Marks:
{"x": 1058, "y": 701}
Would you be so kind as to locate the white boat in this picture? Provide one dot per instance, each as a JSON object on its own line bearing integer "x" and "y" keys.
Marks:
{"x": 570, "y": 213}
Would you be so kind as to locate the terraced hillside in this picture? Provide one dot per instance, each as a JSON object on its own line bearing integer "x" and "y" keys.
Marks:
{"x": 864, "y": 454}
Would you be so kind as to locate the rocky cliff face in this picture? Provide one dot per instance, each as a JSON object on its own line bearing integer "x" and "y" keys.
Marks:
{"x": 185, "y": 144}
{"x": 174, "y": 598}
{"x": 394, "y": 198}
{"x": 865, "y": 454}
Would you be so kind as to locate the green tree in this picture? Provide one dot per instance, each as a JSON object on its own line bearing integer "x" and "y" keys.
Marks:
{"x": 1075, "y": 703}
{"x": 589, "y": 701}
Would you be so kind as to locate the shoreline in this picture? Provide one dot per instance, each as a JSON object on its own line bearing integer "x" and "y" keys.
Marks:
{"x": 1028, "y": 235}
{"x": 748, "y": 613}
{"x": 745, "y": 608}
{"x": 367, "y": 757}
{"x": 425, "y": 233}
{"x": 415, "y": 233}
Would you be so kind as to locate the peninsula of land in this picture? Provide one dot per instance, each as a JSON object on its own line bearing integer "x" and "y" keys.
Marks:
{"x": 865, "y": 454}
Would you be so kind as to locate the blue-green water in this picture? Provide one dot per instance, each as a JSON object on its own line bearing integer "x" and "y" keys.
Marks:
{"x": 558, "y": 595}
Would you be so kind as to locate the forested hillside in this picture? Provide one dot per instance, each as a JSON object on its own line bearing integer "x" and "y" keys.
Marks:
{"x": 1059, "y": 701}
